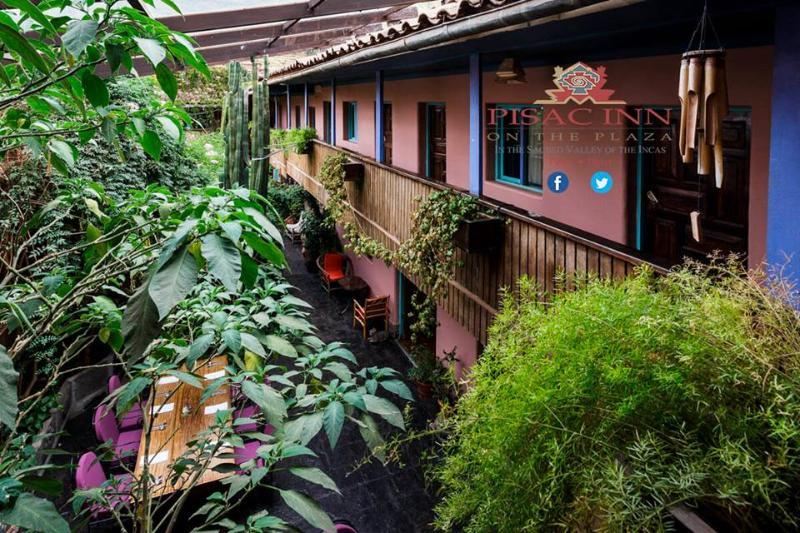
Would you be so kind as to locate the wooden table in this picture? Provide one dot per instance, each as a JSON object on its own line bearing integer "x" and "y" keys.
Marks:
{"x": 172, "y": 429}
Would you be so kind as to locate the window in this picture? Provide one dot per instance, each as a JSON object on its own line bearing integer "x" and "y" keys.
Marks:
{"x": 350, "y": 121}
{"x": 515, "y": 144}
{"x": 327, "y": 125}
{"x": 297, "y": 121}
{"x": 312, "y": 117}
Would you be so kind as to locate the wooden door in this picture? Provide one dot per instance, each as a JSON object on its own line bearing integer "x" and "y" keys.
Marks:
{"x": 436, "y": 142}
{"x": 326, "y": 122}
{"x": 387, "y": 133}
{"x": 671, "y": 190}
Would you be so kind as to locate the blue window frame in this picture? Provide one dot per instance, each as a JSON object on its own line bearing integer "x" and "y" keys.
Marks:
{"x": 350, "y": 121}
{"x": 516, "y": 146}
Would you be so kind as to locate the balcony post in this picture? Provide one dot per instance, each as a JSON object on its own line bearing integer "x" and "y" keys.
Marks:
{"x": 783, "y": 238}
{"x": 305, "y": 105}
{"x": 475, "y": 125}
{"x": 288, "y": 106}
{"x": 380, "y": 149}
{"x": 333, "y": 112}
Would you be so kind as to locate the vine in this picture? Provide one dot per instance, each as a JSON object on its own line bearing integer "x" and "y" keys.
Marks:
{"x": 429, "y": 254}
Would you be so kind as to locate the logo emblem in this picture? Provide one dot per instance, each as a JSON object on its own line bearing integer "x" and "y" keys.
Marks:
{"x": 601, "y": 182}
{"x": 558, "y": 182}
{"x": 580, "y": 83}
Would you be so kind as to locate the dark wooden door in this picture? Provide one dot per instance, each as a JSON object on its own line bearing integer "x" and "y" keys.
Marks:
{"x": 436, "y": 136}
{"x": 672, "y": 190}
{"x": 326, "y": 122}
{"x": 387, "y": 133}
{"x": 297, "y": 122}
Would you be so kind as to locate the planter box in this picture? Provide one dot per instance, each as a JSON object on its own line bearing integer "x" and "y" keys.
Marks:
{"x": 307, "y": 150}
{"x": 353, "y": 171}
{"x": 483, "y": 234}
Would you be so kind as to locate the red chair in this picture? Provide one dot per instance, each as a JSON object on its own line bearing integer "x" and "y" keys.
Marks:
{"x": 333, "y": 267}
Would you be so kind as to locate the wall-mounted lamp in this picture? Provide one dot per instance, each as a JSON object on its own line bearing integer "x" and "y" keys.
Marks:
{"x": 318, "y": 89}
{"x": 510, "y": 72}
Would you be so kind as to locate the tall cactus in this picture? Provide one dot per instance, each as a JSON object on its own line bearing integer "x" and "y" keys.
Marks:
{"x": 235, "y": 128}
{"x": 259, "y": 131}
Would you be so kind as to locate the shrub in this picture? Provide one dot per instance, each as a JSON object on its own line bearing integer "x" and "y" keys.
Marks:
{"x": 207, "y": 150}
{"x": 612, "y": 403}
{"x": 288, "y": 200}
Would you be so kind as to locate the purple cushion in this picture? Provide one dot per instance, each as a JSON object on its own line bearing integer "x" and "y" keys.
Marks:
{"x": 89, "y": 474}
{"x": 247, "y": 412}
{"x": 133, "y": 418}
{"x": 127, "y": 444}
{"x": 247, "y": 452}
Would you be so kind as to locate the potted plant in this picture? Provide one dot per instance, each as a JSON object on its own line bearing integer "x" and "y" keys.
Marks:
{"x": 317, "y": 236}
{"x": 353, "y": 171}
{"x": 301, "y": 138}
{"x": 426, "y": 372}
{"x": 480, "y": 233}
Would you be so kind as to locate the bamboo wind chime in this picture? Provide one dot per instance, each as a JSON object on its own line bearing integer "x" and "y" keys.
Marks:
{"x": 703, "y": 94}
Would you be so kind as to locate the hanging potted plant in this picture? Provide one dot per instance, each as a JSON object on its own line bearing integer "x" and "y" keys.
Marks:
{"x": 480, "y": 233}
{"x": 426, "y": 372}
{"x": 301, "y": 138}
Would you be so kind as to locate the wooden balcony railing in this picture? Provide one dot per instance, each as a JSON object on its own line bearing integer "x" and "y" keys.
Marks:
{"x": 384, "y": 201}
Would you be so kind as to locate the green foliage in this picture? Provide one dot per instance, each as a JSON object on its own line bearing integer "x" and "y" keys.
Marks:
{"x": 207, "y": 150}
{"x": 296, "y": 139}
{"x": 54, "y": 99}
{"x": 429, "y": 254}
{"x": 607, "y": 405}
{"x": 288, "y": 199}
{"x": 319, "y": 235}
{"x": 197, "y": 89}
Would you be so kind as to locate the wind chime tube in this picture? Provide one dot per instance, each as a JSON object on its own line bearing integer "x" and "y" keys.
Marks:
{"x": 683, "y": 95}
{"x": 695, "y": 87}
{"x": 716, "y": 107}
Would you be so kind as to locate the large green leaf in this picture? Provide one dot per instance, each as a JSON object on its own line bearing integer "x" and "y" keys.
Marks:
{"x": 32, "y": 11}
{"x": 303, "y": 428}
{"x": 64, "y": 151}
{"x": 32, "y": 513}
{"x": 173, "y": 281}
{"x": 8, "y": 389}
{"x": 167, "y": 81}
{"x": 151, "y": 144}
{"x": 372, "y": 437}
{"x": 176, "y": 239}
{"x": 251, "y": 343}
{"x": 266, "y": 249}
{"x": 20, "y": 45}
{"x": 280, "y": 345}
{"x": 140, "y": 323}
{"x": 79, "y": 35}
{"x": 315, "y": 475}
{"x": 398, "y": 387}
{"x": 385, "y": 409}
{"x": 265, "y": 224}
{"x": 332, "y": 421}
{"x": 95, "y": 90}
{"x": 170, "y": 127}
{"x": 152, "y": 50}
{"x": 224, "y": 260}
{"x": 308, "y": 509}
{"x": 199, "y": 348}
{"x": 268, "y": 399}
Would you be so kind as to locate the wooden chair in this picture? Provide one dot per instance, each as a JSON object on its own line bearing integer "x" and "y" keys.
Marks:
{"x": 333, "y": 267}
{"x": 375, "y": 307}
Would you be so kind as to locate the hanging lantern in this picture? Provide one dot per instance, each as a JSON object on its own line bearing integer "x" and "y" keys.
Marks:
{"x": 510, "y": 72}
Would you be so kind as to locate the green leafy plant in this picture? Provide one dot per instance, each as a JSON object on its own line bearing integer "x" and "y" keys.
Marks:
{"x": 288, "y": 199}
{"x": 605, "y": 407}
{"x": 51, "y": 76}
{"x": 429, "y": 254}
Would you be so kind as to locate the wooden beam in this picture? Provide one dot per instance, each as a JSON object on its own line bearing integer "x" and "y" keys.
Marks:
{"x": 261, "y": 15}
{"x": 226, "y": 52}
{"x": 245, "y": 33}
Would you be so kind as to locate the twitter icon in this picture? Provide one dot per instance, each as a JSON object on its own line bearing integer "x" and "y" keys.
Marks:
{"x": 601, "y": 182}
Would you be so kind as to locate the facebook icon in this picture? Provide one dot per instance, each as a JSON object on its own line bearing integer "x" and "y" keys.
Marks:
{"x": 558, "y": 182}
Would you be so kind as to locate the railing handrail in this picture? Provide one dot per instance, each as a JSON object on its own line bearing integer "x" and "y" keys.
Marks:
{"x": 595, "y": 242}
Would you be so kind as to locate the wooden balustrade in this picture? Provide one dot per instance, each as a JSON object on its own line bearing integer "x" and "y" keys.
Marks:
{"x": 386, "y": 198}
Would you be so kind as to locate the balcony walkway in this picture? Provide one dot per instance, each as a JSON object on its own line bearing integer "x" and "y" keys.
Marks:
{"x": 375, "y": 498}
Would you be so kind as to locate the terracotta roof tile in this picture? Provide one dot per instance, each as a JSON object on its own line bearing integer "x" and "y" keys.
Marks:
{"x": 427, "y": 17}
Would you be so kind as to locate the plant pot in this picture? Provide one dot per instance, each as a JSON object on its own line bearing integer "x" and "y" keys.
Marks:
{"x": 424, "y": 389}
{"x": 482, "y": 234}
{"x": 353, "y": 171}
{"x": 306, "y": 150}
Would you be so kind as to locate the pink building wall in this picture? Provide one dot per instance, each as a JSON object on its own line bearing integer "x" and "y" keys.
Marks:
{"x": 382, "y": 280}
{"x": 650, "y": 81}
{"x": 647, "y": 81}
{"x": 450, "y": 335}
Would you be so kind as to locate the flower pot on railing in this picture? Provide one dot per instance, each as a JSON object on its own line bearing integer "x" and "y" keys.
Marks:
{"x": 482, "y": 234}
{"x": 353, "y": 171}
{"x": 304, "y": 149}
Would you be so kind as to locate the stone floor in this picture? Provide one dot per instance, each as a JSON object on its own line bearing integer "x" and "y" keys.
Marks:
{"x": 374, "y": 498}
